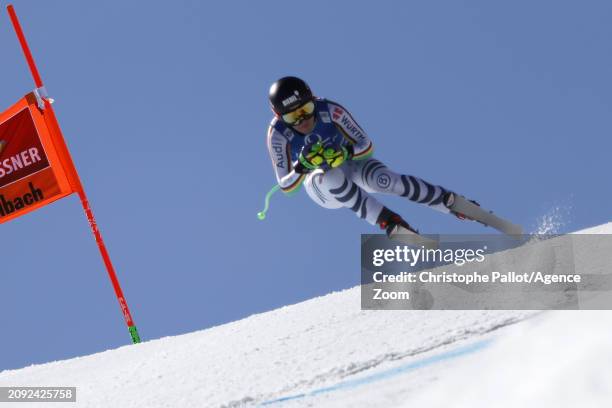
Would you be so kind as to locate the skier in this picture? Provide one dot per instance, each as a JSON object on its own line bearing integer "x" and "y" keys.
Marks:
{"x": 316, "y": 142}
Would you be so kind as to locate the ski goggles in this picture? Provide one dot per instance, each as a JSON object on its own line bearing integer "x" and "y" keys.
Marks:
{"x": 295, "y": 117}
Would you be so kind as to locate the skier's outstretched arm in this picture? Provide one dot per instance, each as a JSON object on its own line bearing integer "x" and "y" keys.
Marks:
{"x": 288, "y": 177}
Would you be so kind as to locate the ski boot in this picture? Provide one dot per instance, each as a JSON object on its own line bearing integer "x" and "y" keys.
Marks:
{"x": 449, "y": 200}
{"x": 390, "y": 221}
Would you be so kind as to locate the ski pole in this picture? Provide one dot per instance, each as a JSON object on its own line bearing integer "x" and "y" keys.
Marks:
{"x": 262, "y": 214}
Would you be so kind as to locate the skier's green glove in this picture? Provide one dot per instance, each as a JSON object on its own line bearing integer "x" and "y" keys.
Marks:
{"x": 311, "y": 156}
{"x": 318, "y": 156}
{"x": 335, "y": 155}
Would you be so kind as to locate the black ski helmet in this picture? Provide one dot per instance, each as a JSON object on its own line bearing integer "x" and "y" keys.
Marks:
{"x": 289, "y": 93}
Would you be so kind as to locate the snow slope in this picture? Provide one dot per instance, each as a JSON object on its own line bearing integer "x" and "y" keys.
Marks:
{"x": 328, "y": 352}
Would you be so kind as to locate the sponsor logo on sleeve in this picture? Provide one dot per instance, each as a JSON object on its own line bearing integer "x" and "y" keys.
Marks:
{"x": 278, "y": 153}
{"x": 337, "y": 113}
{"x": 352, "y": 128}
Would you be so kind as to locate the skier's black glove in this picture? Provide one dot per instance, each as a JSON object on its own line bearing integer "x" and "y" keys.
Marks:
{"x": 350, "y": 150}
{"x": 300, "y": 169}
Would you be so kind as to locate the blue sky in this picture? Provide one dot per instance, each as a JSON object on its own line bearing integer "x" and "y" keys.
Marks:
{"x": 164, "y": 107}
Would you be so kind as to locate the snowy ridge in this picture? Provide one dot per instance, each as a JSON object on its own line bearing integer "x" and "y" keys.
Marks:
{"x": 328, "y": 352}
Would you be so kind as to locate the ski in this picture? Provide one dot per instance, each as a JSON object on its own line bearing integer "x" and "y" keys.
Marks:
{"x": 487, "y": 218}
